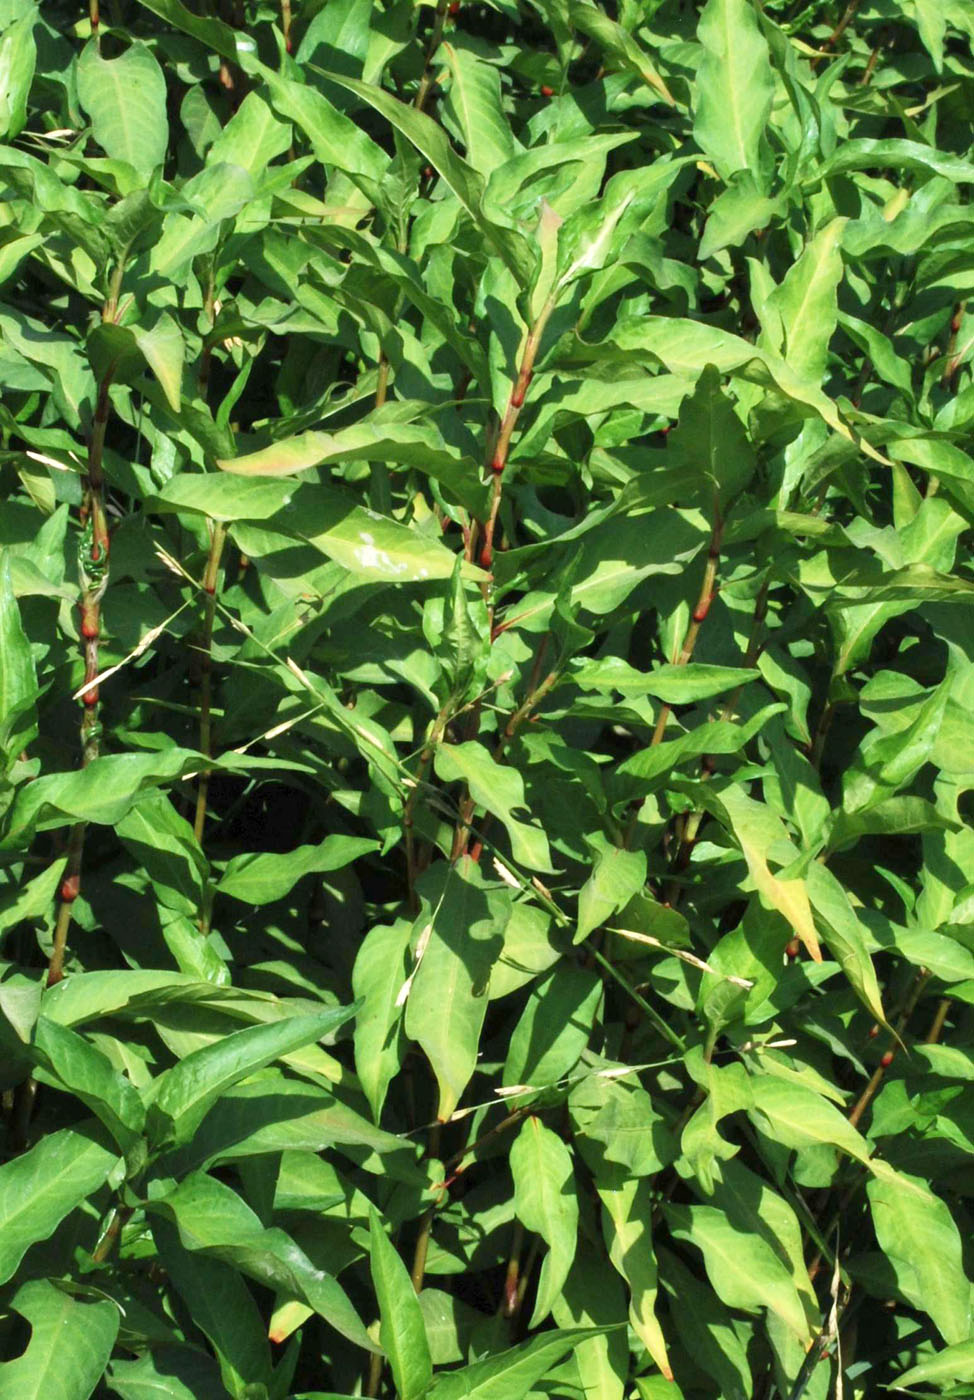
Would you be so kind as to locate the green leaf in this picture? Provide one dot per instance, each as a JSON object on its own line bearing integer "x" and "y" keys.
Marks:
{"x": 627, "y": 1225}
{"x": 164, "y": 350}
{"x": 70, "y": 1341}
{"x": 41, "y": 1187}
{"x": 744, "y": 1270}
{"x": 954, "y": 1363}
{"x": 618, "y": 874}
{"x": 546, "y": 1201}
{"x": 18, "y": 681}
{"x": 166, "y": 1373}
{"x": 843, "y": 935}
{"x": 710, "y": 443}
{"x": 252, "y": 138}
{"x": 619, "y": 43}
{"x": 262, "y": 877}
{"x": 189, "y": 1090}
{"x": 734, "y": 89}
{"x": 73, "y": 1065}
{"x": 18, "y": 57}
{"x": 758, "y": 831}
{"x": 460, "y": 936}
{"x": 465, "y": 182}
{"x": 212, "y": 1219}
{"x": 705, "y": 1327}
{"x": 335, "y": 139}
{"x": 474, "y": 102}
{"x": 378, "y": 977}
{"x": 554, "y": 1027}
{"x": 125, "y": 97}
{"x": 498, "y": 788}
{"x": 510, "y": 1375}
{"x": 919, "y": 1237}
{"x": 676, "y": 685}
{"x": 797, "y": 1117}
{"x": 807, "y": 302}
{"x": 402, "y": 1330}
{"x": 222, "y": 1307}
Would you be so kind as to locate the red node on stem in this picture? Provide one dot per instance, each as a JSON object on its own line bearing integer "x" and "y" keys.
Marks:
{"x": 547, "y": 91}
{"x": 700, "y": 612}
{"x": 486, "y": 557}
{"x": 70, "y": 889}
{"x": 886, "y": 1059}
{"x": 90, "y": 697}
{"x": 497, "y": 465}
{"x": 793, "y": 949}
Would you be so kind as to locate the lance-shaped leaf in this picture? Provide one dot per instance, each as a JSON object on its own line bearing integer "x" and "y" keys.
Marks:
{"x": 460, "y": 937}
{"x": 261, "y": 877}
{"x": 546, "y": 1201}
{"x": 734, "y": 88}
{"x": 758, "y": 832}
{"x": 212, "y": 1219}
{"x": 627, "y": 1204}
{"x": 807, "y": 302}
{"x": 18, "y": 680}
{"x": 188, "y": 1091}
{"x": 744, "y": 1270}
{"x": 919, "y": 1237}
{"x": 619, "y": 43}
{"x": 466, "y": 183}
{"x": 500, "y": 789}
{"x": 73, "y": 1065}
{"x": 510, "y": 1375}
{"x": 402, "y": 1330}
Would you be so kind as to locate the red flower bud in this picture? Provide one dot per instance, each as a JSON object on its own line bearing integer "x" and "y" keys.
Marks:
{"x": 873, "y": 1032}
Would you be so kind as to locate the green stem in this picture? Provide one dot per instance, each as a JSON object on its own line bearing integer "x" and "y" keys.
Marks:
{"x": 210, "y": 579}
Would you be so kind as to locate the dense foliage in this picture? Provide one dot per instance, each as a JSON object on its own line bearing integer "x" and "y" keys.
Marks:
{"x": 486, "y": 688}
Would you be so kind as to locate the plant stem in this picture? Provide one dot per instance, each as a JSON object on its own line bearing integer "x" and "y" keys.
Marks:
{"x": 409, "y": 811}
{"x": 691, "y": 826}
{"x": 640, "y": 1001}
{"x": 940, "y": 1017}
{"x": 418, "y": 1271}
{"x": 426, "y": 81}
{"x": 867, "y": 1095}
{"x": 705, "y": 598}
{"x": 93, "y": 570}
{"x": 498, "y": 458}
{"x": 210, "y": 579}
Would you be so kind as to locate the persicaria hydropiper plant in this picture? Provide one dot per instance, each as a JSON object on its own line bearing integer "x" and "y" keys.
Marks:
{"x": 486, "y": 677}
